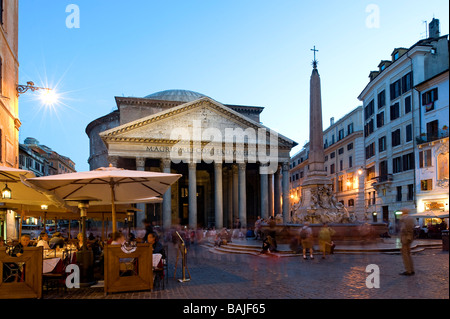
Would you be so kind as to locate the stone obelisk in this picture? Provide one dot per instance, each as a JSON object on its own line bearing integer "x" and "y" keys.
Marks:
{"x": 318, "y": 203}
{"x": 316, "y": 174}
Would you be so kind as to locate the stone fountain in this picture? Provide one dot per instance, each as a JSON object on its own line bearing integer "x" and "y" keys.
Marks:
{"x": 318, "y": 203}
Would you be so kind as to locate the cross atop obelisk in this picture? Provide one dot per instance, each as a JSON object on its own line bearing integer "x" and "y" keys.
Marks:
{"x": 314, "y": 63}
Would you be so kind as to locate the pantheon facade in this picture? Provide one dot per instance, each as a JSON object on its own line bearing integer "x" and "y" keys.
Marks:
{"x": 232, "y": 166}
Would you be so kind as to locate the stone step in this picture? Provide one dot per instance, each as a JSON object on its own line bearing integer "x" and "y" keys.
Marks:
{"x": 244, "y": 248}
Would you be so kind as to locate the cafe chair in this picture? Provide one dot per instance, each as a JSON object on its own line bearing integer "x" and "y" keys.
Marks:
{"x": 57, "y": 278}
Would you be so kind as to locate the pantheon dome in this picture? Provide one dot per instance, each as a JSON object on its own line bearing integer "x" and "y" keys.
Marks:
{"x": 176, "y": 95}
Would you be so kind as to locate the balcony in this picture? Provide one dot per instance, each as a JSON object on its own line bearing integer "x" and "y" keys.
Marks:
{"x": 426, "y": 138}
{"x": 380, "y": 180}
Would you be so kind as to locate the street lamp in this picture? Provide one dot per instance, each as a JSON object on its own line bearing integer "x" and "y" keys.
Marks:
{"x": 47, "y": 96}
{"x": 6, "y": 192}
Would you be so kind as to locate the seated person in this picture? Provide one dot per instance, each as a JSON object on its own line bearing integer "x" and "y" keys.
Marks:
{"x": 43, "y": 240}
{"x": 269, "y": 244}
{"x": 17, "y": 251}
{"x": 118, "y": 238}
{"x": 57, "y": 241}
{"x": 158, "y": 248}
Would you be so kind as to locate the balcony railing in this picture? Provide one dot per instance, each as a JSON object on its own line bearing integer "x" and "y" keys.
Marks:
{"x": 425, "y": 138}
{"x": 382, "y": 179}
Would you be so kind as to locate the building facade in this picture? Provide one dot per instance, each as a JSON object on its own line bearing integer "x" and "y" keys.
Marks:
{"x": 9, "y": 108}
{"x": 42, "y": 160}
{"x": 392, "y": 120}
{"x": 221, "y": 150}
{"x": 9, "y": 76}
{"x": 432, "y": 152}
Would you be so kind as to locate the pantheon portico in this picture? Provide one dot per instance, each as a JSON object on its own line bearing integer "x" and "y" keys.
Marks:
{"x": 232, "y": 166}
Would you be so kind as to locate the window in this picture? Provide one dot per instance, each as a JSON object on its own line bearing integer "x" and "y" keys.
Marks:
{"x": 1, "y": 138}
{"x": 369, "y": 110}
{"x": 395, "y": 89}
{"x": 407, "y": 104}
{"x": 396, "y": 140}
{"x": 407, "y": 82}
{"x": 428, "y": 99}
{"x": 351, "y": 202}
{"x": 399, "y": 194}
{"x": 350, "y": 161}
{"x": 370, "y": 150}
{"x": 395, "y": 111}
{"x": 397, "y": 164}
{"x": 326, "y": 158}
{"x": 410, "y": 195}
{"x": 383, "y": 170}
{"x": 368, "y": 128}
{"x": 380, "y": 119}
{"x": 350, "y": 129}
{"x": 341, "y": 134}
{"x": 382, "y": 144}
{"x": 425, "y": 158}
{"x": 381, "y": 99}
{"x": 408, "y": 132}
{"x": 408, "y": 161}
{"x": 433, "y": 130}
{"x": 332, "y": 155}
{"x": 341, "y": 165}
{"x": 341, "y": 151}
{"x": 442, "y": 166}
{"x": 370, "y": 173}
{"x": 332, "y": 169}
{"x": 426, "y": 184}
{"x": 349, "y": 146}
{"x": 1, "y": 67}
{"x": 1, "y": 13}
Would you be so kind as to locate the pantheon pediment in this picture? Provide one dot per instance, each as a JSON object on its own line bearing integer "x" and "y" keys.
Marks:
{"x": 200, "y": 121}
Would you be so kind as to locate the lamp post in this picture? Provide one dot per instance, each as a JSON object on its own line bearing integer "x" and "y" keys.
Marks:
{"x": 29, "y": 86}
{"x": 6, "y": 192}
{"x": 48, "y": 96}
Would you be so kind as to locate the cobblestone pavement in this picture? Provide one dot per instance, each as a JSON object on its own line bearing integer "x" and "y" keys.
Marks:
{"x": 340, "y": 276}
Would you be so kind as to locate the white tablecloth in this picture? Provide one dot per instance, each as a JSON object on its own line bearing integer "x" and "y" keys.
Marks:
{"x": 49, "y": 264}
{"x": 156, "y": 260}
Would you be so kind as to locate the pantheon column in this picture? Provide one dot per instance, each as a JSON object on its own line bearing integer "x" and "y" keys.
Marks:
{"x": 285, "y": 185}
{"x": 167, "y": 197}
{"x": 264, "y": 180}
{"x": 140, "y": 216}
{"x": 218, "y": 195}
{"x": 235, "y": 195}
{"x": 192, "y": 195}
{"x": 270, "y": 176}
{"x": 277, "y": 192}
{"x": 242, "y": 195}
{"x": 230, "y": 202}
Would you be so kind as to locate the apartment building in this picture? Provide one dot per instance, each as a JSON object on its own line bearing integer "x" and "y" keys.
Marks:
{"x": 392, "y": 119}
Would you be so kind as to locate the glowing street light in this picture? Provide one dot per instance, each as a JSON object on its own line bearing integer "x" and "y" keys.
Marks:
{"x": 49, "y": 97}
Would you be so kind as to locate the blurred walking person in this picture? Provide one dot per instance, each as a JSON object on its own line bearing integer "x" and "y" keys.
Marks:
{"x": 407, "y": 237}
{"x": 306, "y": 237}
{"x": 325, "y": 242}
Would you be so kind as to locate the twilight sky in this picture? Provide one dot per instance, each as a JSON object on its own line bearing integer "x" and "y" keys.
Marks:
{"x": 252, "y": 52}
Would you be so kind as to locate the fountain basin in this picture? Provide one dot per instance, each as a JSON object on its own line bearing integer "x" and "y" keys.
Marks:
{"x": 344, "y": 232}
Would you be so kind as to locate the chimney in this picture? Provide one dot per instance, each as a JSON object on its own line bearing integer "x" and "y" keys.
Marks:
{"x": 433, "y": 28}
{"x": 332, "y": 121}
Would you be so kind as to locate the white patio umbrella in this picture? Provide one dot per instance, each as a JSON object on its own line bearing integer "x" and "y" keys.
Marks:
{"x": 106, "y": 185}
{"x": 21, "y": 194}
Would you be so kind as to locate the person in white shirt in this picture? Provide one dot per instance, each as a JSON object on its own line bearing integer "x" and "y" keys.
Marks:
{"x": 43, "y": 240}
